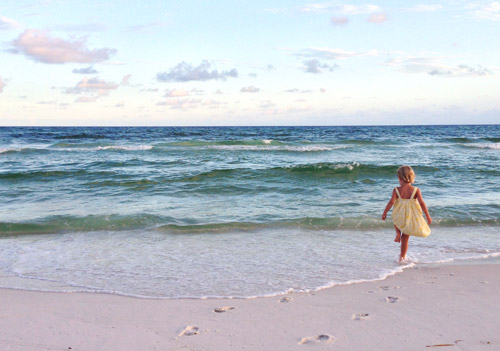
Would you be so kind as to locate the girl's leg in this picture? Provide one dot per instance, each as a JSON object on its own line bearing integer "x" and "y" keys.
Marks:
{"x": 398, "y": 235}
{"x": 404, "y": 246}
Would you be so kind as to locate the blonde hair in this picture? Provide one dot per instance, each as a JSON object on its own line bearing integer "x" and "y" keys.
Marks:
{"x": 406, "y": 174}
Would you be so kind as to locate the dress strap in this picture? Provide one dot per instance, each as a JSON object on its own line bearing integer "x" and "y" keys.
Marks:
{"x": 397, "y": 192}
{"x": 414, "y": 192}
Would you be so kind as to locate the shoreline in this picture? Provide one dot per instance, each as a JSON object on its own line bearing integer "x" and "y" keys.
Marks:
{"x": 490, "y": 258}
{"x": 423, "y": 306}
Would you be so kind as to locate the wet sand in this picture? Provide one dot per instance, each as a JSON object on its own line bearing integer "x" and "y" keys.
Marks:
{"x": 455, "y": 307}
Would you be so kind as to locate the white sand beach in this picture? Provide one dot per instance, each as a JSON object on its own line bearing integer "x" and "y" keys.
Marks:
{"x": 454, "y": 307}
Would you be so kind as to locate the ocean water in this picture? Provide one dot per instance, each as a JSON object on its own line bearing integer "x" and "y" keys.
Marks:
{"x": 235, "y": 211}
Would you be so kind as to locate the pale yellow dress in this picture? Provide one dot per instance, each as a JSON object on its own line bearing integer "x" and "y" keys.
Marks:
{"x": 407, "y": 216}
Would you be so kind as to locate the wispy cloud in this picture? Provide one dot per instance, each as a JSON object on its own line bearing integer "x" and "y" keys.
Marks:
{"x": 85, "y": 70}
{"x": 126, "y": 80}
{"x": 460, "y": 71}
{"x": 92, "y": 89}
{"x": 147, "y": 26}
{"x": 378, "y": 18}
{"x": 295, "y": 90}
{"x": 316, "y": 7}
{"x": 347, "y": 9}
{"x": 343, "y": 9}
{"x": 84, "y": 27}
{"x": 250, "y": 89}
{"x": 176, "y": 93}
{"x": 434, "y": 66}
{"x": 39, "y": 46}
{"x": 86, "y": 99}
{"x": 7, "y": 23}
{"x": 2, "y": 84}
{"x": 425, "y": 8}
{"x": 489, "y": 11}
{"x": 185, "y": 72}
{"x": 340, "y": 21}
{"x": 331, "y": 54}
{"x": 181, "y": 103}
{"x": 267, "y": 104}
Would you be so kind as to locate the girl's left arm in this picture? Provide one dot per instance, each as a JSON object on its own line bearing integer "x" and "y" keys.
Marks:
{"x": 424, "y": 207}
{"x": 389, "y": 204}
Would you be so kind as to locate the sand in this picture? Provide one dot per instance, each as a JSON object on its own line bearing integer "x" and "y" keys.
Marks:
{"x": 446, "y": 307}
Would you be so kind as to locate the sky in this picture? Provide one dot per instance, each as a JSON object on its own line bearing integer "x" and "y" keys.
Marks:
{"x": 239, "y": 62}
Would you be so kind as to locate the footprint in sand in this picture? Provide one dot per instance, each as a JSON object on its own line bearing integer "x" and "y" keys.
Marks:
{"x": 190, "y": 331}
{"x": 223, "y": 309}
{"x": 285, "y": 299}
{"x": 386, "y": 287}
{"x": 360, "y": 316}
{"x": 392, "y": 299}
{"x": 316, "y": 339}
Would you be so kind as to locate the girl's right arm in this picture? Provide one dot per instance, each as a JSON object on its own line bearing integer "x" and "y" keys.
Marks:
{"x": 389, "y": 204}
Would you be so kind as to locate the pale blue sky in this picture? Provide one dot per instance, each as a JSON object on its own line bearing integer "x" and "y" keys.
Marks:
{"x": 193, "y": 62}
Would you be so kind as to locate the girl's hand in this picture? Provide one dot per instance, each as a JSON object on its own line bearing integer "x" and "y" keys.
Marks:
{"x": 429, "y": 220}
{"x": 384, "y": 216}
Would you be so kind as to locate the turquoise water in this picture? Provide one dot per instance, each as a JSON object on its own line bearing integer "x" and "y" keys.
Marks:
{"x": 236, "y": 211}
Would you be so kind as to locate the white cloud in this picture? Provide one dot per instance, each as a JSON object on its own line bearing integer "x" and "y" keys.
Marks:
{"x": 490, "y": 11}
{"x": 315, "y": 66}
{"x": 425, "y": 8}
{"x": 315, "y": 7}
{"x": 378, "y": 18}
{"x": 40, "y": 47}
{"x": 250, "y": 89}
{"x": 2, "y": 85}
{"x": 185, "y": 72}
{"x": 7, "y": 23}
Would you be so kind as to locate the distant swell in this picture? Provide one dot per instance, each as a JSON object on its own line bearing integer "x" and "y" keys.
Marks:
{"x": 80, "y": 136}
{"x": 61, "y": 224}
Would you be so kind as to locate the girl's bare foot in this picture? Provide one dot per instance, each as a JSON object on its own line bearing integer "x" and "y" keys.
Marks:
{"x": 398, "y": 237}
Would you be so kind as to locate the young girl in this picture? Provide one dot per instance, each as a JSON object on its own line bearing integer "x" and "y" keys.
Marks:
{"x": 407, "y": 214}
